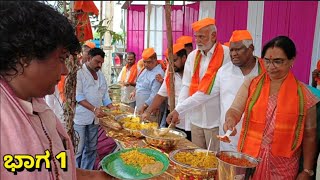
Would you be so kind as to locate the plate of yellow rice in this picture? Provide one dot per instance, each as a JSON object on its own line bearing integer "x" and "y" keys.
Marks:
{"x": 135, "y": 163}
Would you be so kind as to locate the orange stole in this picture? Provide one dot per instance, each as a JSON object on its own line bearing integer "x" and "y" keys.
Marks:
{"x": 61, "y": 88}
{"x": 290, "y": 117}
{"x": 167, "y": 80}
{"x": 133, "y": 74}
{"x": 206, "y": 83}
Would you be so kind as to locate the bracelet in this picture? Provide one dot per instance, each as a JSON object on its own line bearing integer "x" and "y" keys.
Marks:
{"x": 94, "y": 109}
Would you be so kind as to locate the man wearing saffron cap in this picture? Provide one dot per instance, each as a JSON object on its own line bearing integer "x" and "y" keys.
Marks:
{"x": 127, "y": 78}
{"x": 187, "y": 41}
{"x": 147, "y": 86}
{"x": 179, "y": 58}
{"x": 85, "y": 49}
{"x": 199, "y": 77}
{"x": 229, "y": 78}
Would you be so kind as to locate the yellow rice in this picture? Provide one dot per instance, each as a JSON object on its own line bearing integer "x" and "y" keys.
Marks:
{"x": 136, "y": 158}
{"x": 197, "y": 159}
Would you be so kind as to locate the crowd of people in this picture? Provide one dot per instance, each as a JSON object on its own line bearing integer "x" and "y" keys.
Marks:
{"x": 218, "y": 87}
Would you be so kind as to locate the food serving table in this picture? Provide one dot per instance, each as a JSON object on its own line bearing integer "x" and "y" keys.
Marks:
{"x": 124, "y": 141}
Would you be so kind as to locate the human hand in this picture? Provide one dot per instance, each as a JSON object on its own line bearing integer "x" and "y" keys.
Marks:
{"x": 132, "y": 95}
{"x": 159, "y": 78}
{"x": 173, "y": 118}
{"x": 303, "y": 176}
{"x": 146, "y": 115}
{"x": 99, "y": 113}
{"x": 230, "y": 124}
{"x": 141, "y": 109}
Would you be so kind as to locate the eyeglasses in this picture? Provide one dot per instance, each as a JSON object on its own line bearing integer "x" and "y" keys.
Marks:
{"x": 275, "y": 62}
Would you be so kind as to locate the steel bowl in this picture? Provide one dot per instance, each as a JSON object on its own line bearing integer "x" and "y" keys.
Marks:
{"x": 163, "y": 142}
{"x": 193, "y": 172}
{"x": 132, "y": 132}
{"x": 230, "y": 171}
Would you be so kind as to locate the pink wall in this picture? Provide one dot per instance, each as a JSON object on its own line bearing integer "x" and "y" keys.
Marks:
{"x": 295, "y": 19}
{"x": 181, "y": 19}
{"x": 230, "y": 16}
{"x": 135, "y": 29}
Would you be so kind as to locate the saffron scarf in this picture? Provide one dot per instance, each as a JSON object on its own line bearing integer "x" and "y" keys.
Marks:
{"x": 61, "y": 88}
{"x": 133, "y": 74}
{"x": 206, "y": 83}
{"x": 290, "y": 117}
{"x": 167, "y": 80}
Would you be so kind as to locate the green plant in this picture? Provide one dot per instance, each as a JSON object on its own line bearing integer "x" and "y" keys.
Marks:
{"x": 102, "y": 29}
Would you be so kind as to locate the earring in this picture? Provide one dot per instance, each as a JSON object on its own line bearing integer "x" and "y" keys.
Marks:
{"x": 25, "y": 64}
{"x": 291, "y": 66}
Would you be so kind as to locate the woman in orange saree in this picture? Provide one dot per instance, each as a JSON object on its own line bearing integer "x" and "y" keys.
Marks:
{"x": 279, "y": 116}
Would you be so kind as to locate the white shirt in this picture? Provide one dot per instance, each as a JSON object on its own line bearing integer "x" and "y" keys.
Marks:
{"x": 55, "y": 103}
{"x": 177, "y": 88}
{"x": 207, "y": 115}
{"x": 94, "y": 91}
{"x": 229, "y": 79}
{"x": 126, "y": 90}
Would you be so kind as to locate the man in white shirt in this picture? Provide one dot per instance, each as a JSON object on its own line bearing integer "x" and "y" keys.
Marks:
{"x": 179, "y": 59}
{"x": 91, "y": 93}
{"x": 229, "y": 78}
{"x": 127, "y": 78}
{"x": 199, "y": 74}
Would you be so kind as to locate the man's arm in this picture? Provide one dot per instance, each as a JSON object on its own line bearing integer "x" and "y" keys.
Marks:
{"x": 199, "y": 97}
{"x": 158, "y": 99}
{"x": 155, "y": 86}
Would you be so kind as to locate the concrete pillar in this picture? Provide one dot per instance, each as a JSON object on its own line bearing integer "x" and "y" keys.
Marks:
{"x": 107, "y": 47}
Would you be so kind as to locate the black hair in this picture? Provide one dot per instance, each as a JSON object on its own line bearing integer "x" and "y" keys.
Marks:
{"x": 32, "y": 30}
{"x": 188, "y": 45}
{"x": 132, "y": 53}
{"x": 96, "y": 51}
{"x": 182, "y": 52}
{"x": 283, "y": 42}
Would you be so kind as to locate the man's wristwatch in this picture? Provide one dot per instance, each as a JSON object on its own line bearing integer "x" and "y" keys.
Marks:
{"x": 309, "y": 172}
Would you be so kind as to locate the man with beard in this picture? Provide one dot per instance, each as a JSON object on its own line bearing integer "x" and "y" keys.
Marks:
{"x": 91, "y": 93}
{"x": 229, "y": 78}
{"x": 199, "y": 76}
{"x": 179, "y": 59}
{"x": 127, "y": 78}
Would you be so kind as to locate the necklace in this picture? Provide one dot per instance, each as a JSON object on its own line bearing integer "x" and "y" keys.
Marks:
{"x": 50, "y": 148}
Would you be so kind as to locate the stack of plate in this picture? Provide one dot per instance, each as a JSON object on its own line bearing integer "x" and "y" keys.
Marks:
{"x": 115, "y": 93}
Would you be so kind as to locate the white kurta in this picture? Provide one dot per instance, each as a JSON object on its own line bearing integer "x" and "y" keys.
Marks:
{"x": 207, "y": 115}
{"x": 177, "y": 88}
{"x": 228, "y": 81}
{"x": 126, "y": 90}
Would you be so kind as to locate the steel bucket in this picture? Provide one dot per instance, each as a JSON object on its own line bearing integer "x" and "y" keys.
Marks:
{"x": 227, "y": 171}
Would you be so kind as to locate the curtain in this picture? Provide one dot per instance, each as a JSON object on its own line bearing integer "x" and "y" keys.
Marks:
{"x": 135, "y": 29}
{"x": 230, "y": 16}
{"x": 295, "y": 19}
{"x": 181, "y": 18}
